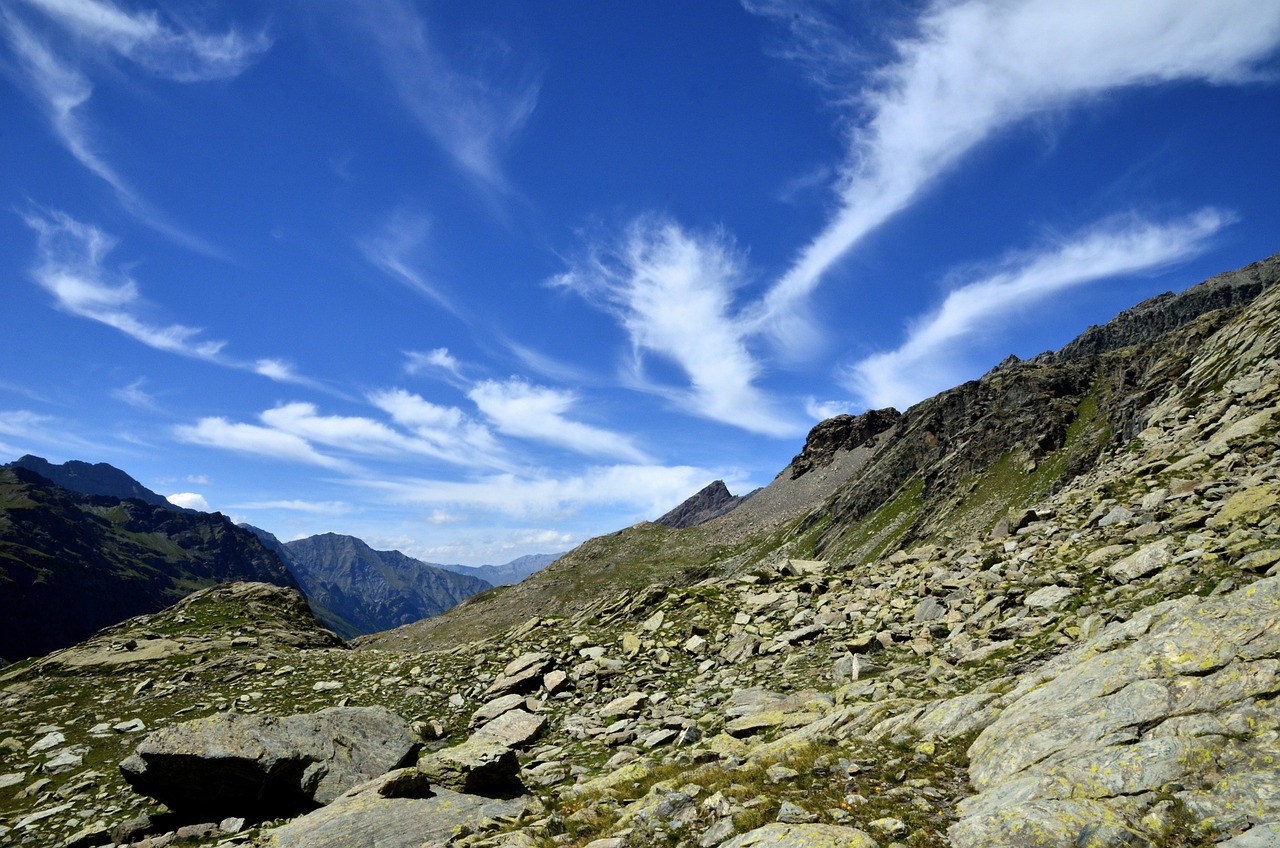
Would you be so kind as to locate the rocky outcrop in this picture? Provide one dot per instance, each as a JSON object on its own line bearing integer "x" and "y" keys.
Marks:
{"x": 843, "y": 432}
{"x": 377, "y": 814}
{"x": 265, "y": 767}
{"x": 1177, "y": 709}
{"x": 710, "y": 502}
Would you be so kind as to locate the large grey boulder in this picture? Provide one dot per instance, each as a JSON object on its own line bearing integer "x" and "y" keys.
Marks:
{"x": 778, "y": 835}
{"x": 230, "y": 764}
{"x": 381, "y": 814}
{"x": 1180, "y": 701}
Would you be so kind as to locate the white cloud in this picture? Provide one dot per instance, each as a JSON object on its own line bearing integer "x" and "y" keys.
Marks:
{"x": 930, "y": 359}
{"x": 822, "y": 410}
{"x": 253, "y": 439}
{"x": 71, "y": 268}
{"x": 539, "y": 413}
{"x": 416, "y": 361}
{"x": 440, "y": 517}
{"x": 648, "y": 490}
{"x": 673, "y": 293}
{"x": 977, "y": 67}
{"x": 134, "y": 395}
{"x": 55, "y": 42}
{"x": 450, "y": 432}
{"x": 392, "y": 250}
{"x": 189, "y": 500}
{"x": 472, "y": 113}
{"x": 313, "y": 507}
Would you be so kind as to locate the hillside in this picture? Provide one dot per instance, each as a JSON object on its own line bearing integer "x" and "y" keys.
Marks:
{"x": 1040, "y": 609}
{"x": 96, "y": 478}
{"x": 73, "y": 563}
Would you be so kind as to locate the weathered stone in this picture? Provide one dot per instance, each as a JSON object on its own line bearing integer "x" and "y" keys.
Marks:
{"x": 365, "y": 818}
{"x": 522, "y": 675}
{"x": 930, "y": 609}
{"x": 780, "y": 835}
{"x": 1048, "y": 597}
{"x": 479, "y": 766}
{"x": 1145, "y": 561}
{"x": 515, "y": 728}
{"x": 233, "y": 764}
{"x": 495, "y": 708}
{"x": 626, "y": 705}
{"x": 1094, "y": 734}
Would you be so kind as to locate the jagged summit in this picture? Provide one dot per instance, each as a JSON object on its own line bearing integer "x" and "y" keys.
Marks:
{"x": 843, "y": 432}
{"x": 710, "y": 502}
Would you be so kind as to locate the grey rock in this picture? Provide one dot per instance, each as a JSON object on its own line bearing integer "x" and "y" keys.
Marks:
{"x": 780, "y": 835}
{"x": 1143, "y": 562}
{"x": 479, "y": 766}
{"x": 514, "y": 728}
{"x": 930, "y": 609}
{"x": 228, "y": 764}
{"x": 495, "y": 708}
{"x": 365, "y": 818}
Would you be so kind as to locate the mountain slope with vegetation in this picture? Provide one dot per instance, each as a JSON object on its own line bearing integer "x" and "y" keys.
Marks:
{"x": 1041, "y": 609}
{"x": 72, "y": 563}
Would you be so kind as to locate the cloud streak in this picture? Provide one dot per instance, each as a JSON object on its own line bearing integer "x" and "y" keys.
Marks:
{"x": 930, "y": 359}
{"x": 539, "y": 413}
{"x": 70, "y": 266}
{"x": 56, "y": 43}
{"x": 673, "y": 293}
{"x": 471, "y": 113}
{"x": 978, "y": 67}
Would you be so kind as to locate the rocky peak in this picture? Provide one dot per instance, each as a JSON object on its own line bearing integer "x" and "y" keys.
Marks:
{"x": 711, "y": 502}
{"x": 843, "y": 432}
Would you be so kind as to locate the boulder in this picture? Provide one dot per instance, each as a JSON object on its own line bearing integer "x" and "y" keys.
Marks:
{"x": 479, "y": 766}
{"x": 514, "y": 728}
{"x": 260, "y": 766}
{"x": 377, "y": 814}
{"x": 522, "y": 675}
{"x": 780, "y": 835}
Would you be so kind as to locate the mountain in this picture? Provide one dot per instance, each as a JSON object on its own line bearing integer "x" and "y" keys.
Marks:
{"x": 72, "y": 563}
{"x": 504, "y": 575}
{"x": 355, "y": 590}
{"x": 97, "y": 478}
{"x": 1039, "y": 609}
{"x": 710, "y": 502}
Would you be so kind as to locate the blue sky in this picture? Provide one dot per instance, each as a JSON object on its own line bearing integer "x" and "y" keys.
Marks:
{"x": 476, "y": 280}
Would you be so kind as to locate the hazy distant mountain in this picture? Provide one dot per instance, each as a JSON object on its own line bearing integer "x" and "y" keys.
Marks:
{"x": 97, "y": 478}
{"x": 72, "y": 563}
{"x": 503, "y": 575}
{"x": 354, "y": 590}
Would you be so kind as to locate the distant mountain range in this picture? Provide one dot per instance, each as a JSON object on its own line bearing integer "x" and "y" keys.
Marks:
{"x": 84, "y": 546}
{"x": 504, "y": 575}
{"x": 355, "y": 590}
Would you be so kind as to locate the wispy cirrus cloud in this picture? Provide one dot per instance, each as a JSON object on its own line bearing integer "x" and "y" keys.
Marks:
{"x": 977, "y": 67}
{"x": 648, "y": 490}
{"x": 472, "y": 112}
{"x": 71, "y": 264}
{"x": 241, "y": 437}
{"x": 453, "y": 435}
{"x": 57, "y": 45}
{"x": 71, "y": 267}
{"x": 673, "y": 292}
{"x": 931, "y": 358}
{"x": 439, "y": 359}
{"x": 311, "y": 507}
{"x": 394, "y": 249}
{"x": 539, "y": 413}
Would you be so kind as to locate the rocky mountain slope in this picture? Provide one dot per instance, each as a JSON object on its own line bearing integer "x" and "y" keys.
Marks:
{"x": 96, "y": 478}
{"x": 72, "y": 563}
{"x": 355, "y": 590}
{"x": 712, "y": 501}
{"x": 1041, "y": 609}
